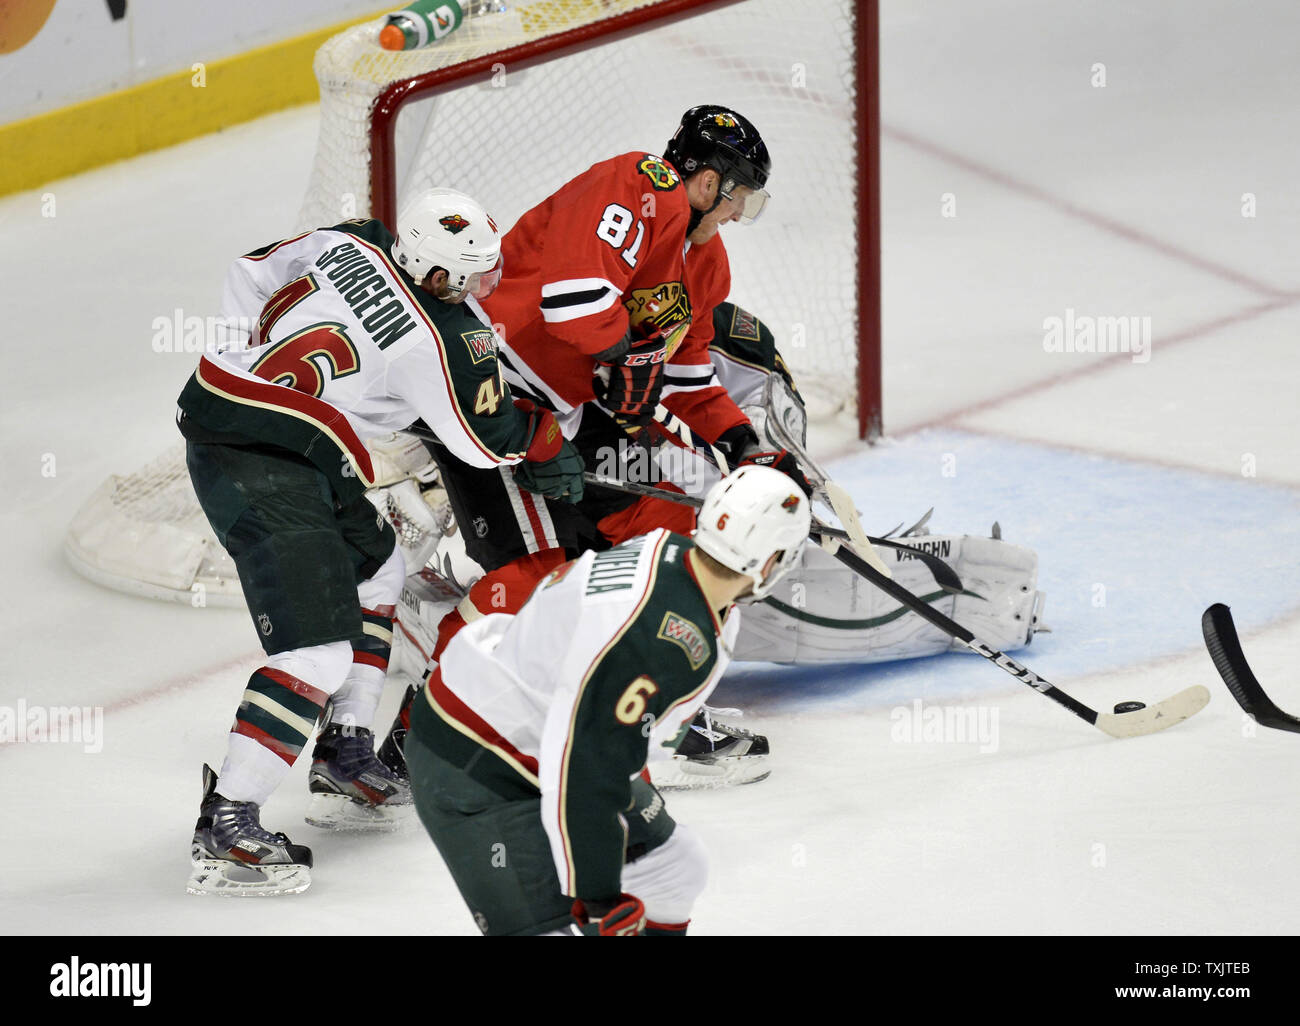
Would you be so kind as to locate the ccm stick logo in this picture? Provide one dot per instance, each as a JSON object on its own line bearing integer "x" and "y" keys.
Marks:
{"x": 1007, "y": 663}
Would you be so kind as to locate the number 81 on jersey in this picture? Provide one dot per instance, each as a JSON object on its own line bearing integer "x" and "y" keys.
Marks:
{"x": 614, "y": 227}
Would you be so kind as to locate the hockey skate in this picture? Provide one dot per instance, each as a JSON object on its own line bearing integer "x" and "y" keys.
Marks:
{"x": 350, "y": 788}
{"x": 392, "y": 753}
{"x": 713, "y": 754}
{"x": 235, "y": 857}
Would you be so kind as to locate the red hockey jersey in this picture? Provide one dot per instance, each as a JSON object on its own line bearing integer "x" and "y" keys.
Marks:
{"x": 691, "y": 388}
{"x": 602, "y": 253}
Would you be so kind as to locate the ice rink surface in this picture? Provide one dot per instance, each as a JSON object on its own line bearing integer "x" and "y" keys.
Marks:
{"x": 1149, "y": 488}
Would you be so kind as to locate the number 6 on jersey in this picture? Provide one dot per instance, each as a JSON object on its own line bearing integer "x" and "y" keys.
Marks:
{"x": 631, "y": 703}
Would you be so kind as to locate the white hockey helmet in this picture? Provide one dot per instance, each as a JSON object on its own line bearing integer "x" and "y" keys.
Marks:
{"x": 750, "y": 514}
{"x": 445, "y": 228}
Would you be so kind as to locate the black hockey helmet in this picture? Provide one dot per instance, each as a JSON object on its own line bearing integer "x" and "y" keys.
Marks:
{"x": 717, "y": 137}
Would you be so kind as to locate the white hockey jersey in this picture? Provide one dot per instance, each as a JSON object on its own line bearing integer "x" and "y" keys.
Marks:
{"x": 604, "y": 666}
{"x": 344, "y": 346}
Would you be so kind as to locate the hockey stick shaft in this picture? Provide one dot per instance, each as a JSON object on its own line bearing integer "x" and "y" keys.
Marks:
{"x": 953, "y": 629}
{"x": 677, "y": 427}
{"x": 835, "y": 497}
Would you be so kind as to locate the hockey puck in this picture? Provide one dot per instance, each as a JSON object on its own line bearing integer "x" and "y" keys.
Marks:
{"x": 1124, "y": 707}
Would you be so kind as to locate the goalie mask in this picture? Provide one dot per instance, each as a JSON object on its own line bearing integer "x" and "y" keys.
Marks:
{"x": 749, "y": 515}
{"x": 443, "y": 228}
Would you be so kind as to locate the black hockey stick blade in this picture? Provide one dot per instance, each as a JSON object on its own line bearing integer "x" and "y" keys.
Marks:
{"x": 1225, "y": 649}
{"x": 944, "y": 575}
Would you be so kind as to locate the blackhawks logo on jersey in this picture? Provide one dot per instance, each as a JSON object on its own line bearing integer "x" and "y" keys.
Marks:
{"x": 665, "y": 307}
{"x": 661, "y": 174}
{"x": 454, "y": 223}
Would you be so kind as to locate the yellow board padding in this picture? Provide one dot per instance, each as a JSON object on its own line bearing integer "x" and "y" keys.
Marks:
{"x": 161, "y": 112}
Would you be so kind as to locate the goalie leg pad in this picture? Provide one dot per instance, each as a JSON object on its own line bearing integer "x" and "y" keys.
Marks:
{"x": 824, "y": 612}
{"x": 1001, "y": 599}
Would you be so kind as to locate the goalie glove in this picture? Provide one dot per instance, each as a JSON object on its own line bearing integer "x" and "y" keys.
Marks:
{"x": 622, "y": 917}
{"x": 629, "y": 380}
{"x": 742, "y": 448}
{"x": 551, "y": 465}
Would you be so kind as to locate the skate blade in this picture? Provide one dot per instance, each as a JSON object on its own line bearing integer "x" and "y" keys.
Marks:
{"x": 344, "y": 814}
{"x": 236, "y": 880}
{"x": 680, "y": 774}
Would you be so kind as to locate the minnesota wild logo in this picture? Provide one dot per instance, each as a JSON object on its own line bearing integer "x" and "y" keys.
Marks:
{"x": 686, "y": 636}
{"x": 454, "y": 223}
{"x": 661, "y": 175}
{"x": 791, "y": 503}
{"x": 744, "y": 325}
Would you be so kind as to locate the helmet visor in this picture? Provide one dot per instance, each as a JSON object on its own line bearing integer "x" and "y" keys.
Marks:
{"x": 482, "y": 284}
{"x": 752, "y": 201}
{"x": 755, "y": 203}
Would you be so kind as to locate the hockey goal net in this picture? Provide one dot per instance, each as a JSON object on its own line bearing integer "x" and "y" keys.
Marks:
{"x": 527, "y": 94}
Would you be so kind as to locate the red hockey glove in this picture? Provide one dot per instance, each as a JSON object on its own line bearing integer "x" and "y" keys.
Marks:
{"x": 544, "y": 438}
{"x": 630, "y": 378}
{"x": 552, "y": 466}
{"x": 623, "y": 917}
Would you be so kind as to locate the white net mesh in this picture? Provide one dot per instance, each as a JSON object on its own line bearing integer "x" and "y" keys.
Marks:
{"x": 159, "y": 490}
{"x": 512, "y": 140}
{"x": 146, "y": 534}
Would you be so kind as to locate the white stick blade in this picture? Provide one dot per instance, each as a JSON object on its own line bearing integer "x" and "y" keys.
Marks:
{"x": 1156, "y": 717}
{"x": 842, "y": 503}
